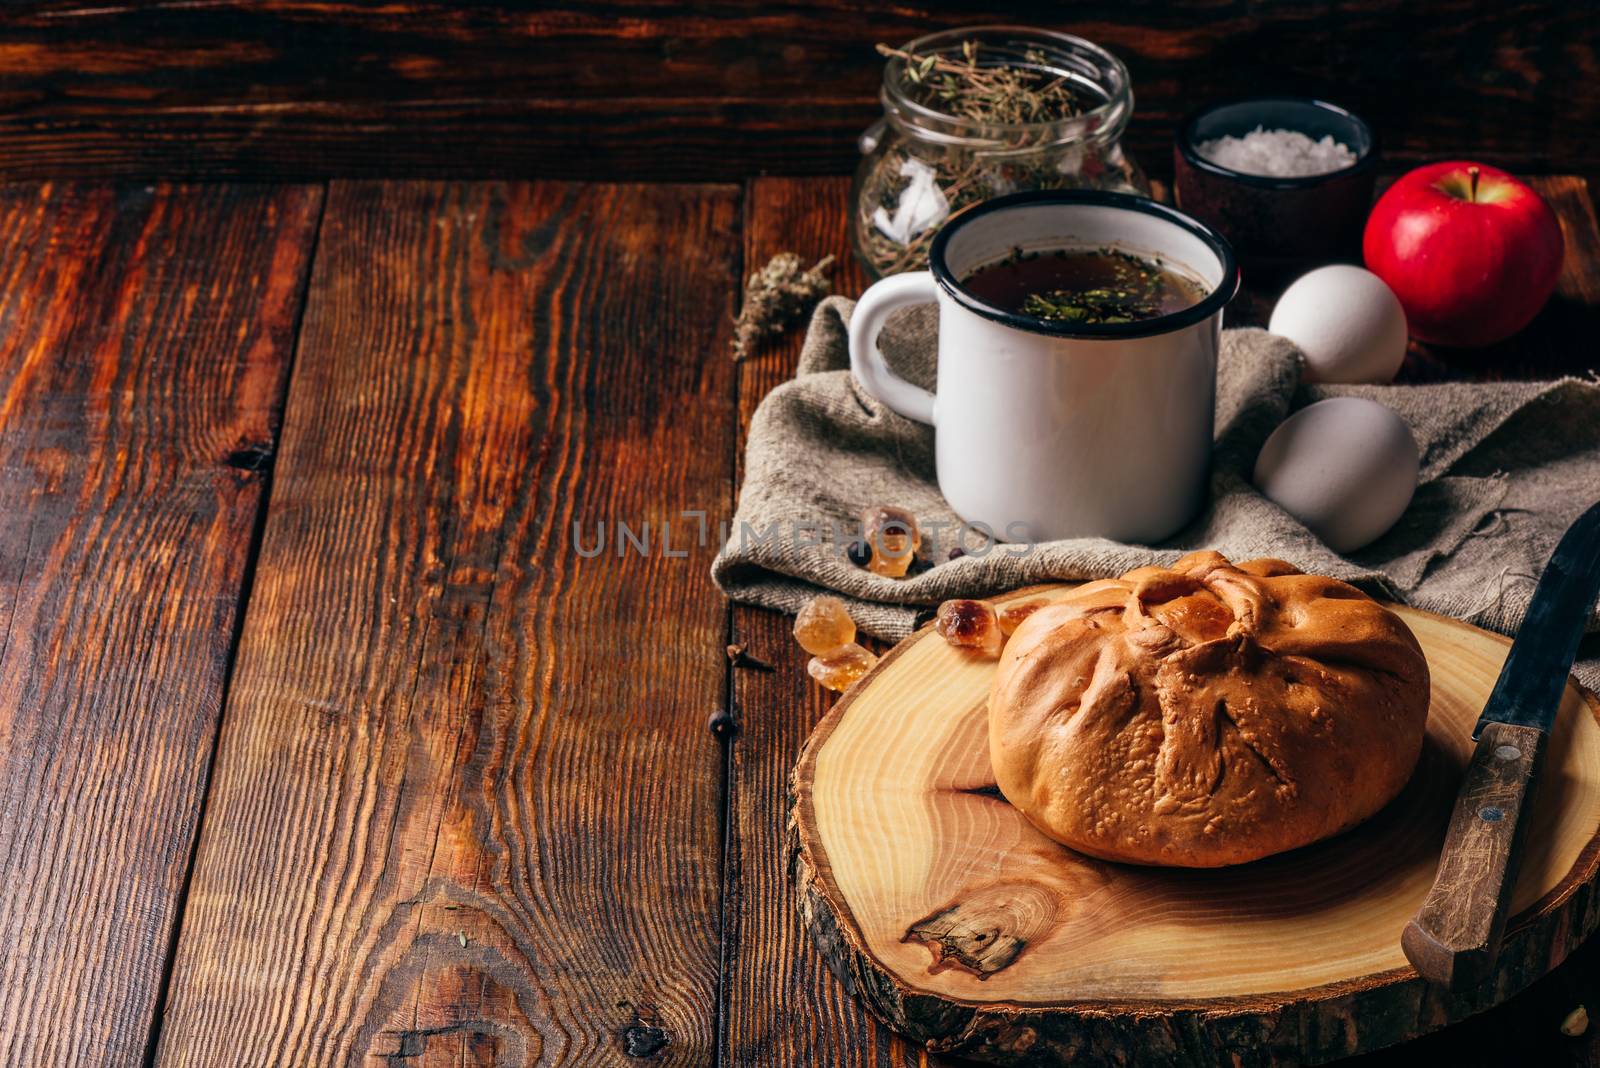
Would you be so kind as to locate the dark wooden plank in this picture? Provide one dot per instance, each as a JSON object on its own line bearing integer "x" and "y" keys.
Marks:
{"x": 465, "y": 805}
{"x": 652, "y": 89}
{"x": 783, "y": 1006}
{"x": 146, "y": 342}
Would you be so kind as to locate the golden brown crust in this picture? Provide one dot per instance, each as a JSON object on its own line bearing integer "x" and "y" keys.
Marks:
{"x": 1206, "y": 713}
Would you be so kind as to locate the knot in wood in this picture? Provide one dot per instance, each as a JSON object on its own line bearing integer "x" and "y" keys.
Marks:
{"x": 642, "y": 1040}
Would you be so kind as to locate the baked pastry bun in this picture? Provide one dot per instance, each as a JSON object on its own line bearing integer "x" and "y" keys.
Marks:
{"x": 1205, "y": 713}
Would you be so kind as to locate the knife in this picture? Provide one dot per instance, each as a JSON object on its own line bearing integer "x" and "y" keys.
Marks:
{"x": 1454, "y": 939}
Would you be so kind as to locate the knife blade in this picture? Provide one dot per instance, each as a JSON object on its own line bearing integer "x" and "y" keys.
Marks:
{"x": 1454, "y": 939}
{"x": 1528, "y": 691}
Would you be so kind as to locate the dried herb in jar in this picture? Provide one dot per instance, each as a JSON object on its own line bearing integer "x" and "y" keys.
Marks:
{"x": 1001, "y": 93}
{"x": 981, "y": 119}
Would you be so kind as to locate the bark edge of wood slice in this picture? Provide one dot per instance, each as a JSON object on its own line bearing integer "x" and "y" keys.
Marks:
{"x": 937, "y": 905}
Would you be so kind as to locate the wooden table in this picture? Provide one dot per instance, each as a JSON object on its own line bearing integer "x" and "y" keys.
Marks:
{"x": 323, "y": 745}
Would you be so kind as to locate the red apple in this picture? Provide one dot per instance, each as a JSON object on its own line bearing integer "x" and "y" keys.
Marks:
{"x": 1471, "y": 252}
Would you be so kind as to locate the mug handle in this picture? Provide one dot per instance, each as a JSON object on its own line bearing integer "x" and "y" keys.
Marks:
{"x": 866, "y": 323}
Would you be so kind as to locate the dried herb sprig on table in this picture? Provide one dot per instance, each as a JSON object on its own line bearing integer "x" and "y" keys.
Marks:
{"x": 776, "y": 297}
{"x": 1004, "y": 93}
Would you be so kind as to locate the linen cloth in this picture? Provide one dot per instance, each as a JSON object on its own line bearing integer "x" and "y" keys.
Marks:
{"x": 1505, "y": 468}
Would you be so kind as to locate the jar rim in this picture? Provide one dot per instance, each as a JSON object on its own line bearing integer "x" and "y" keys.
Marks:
{"x": 1110, "y": 116}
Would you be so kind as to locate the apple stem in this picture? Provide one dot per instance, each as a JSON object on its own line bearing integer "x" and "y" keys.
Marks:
{"x": 1472, "y": 173}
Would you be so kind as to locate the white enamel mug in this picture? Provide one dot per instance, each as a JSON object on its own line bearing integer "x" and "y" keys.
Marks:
{"x": 1048, "y": 430}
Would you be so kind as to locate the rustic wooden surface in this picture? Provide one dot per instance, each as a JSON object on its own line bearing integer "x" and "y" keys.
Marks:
{"x": 967, "y": 928}
{"x": 146, "y": 345}
{"x": 465, "y": 799}
{"x": 466, "y": 805}
{"x": 645, "y": 90}
{"x": 782, "y": 1005}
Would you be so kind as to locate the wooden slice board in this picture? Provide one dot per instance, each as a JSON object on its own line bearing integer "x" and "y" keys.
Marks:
{"x": 961, "y": 926}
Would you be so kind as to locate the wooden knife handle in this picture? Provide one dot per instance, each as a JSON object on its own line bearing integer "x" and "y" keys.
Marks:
{"x": 1454, "y": 939}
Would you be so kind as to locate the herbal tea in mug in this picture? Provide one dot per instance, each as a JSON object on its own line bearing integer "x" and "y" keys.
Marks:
{"x": 1084, "y": 285}
{"x": 1076, "y": 377}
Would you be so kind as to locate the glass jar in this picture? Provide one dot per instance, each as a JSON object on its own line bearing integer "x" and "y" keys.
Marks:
{"x": 922, "y": 165}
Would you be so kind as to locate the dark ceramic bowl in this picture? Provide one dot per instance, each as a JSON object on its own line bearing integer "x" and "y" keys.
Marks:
{"x": 1278, "y": 225}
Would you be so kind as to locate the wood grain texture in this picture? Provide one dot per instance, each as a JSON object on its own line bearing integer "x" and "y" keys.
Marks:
{"x": 466, "y": 803}
{"x": 782, "y": 1005}
{"x": 146, "y": 343}
{"x": 655, "y": 90}
{"x": 963, "y": 925}
{"x": 1454, "y": 939}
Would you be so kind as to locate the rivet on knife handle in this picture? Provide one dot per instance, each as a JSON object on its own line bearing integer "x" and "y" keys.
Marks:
{"x": 1454, "y": 939}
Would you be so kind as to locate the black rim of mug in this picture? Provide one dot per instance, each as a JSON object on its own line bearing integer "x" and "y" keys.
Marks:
{"x": 1212, "y": 303}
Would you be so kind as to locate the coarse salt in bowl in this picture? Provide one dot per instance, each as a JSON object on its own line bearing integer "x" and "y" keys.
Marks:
{"x": 1288, "y": 180}
{"x": 1278, "y": 153}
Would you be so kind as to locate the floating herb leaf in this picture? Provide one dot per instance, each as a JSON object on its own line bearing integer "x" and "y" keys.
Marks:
{"x": 1132, "y": 294}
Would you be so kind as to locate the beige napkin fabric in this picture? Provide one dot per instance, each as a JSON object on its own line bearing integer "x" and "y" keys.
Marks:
{"x": 1505, "y": 468}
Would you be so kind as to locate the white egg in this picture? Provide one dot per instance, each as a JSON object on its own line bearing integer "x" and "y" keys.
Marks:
{"x": 1345, "y": 467}
{"x": 1347, "y": 321}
